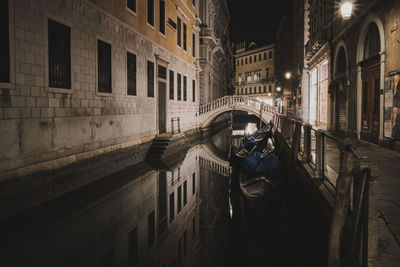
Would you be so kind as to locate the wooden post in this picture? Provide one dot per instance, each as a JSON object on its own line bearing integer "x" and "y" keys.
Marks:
{"x": 342, "y": 199}
{"x": 320, "y": 154}
{"x": 307, "y": 142}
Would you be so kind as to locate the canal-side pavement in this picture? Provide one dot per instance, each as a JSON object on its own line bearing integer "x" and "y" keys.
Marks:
{"x": 388, "y": 195}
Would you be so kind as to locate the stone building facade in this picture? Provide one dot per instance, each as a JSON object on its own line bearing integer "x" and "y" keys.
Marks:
{"x": 255, "y": 71}
{"x": 350, "y": 69}
{"x": 82, "y": 78}
{"x": 215, "y": 56}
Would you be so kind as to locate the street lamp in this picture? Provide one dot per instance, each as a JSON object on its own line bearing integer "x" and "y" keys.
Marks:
{"x": 278, "y": 89}
{"x": 288, "y": 75}
{"x": 346, "y": 9}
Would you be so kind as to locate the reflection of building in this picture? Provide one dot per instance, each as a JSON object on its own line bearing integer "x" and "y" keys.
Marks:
{"x": 255, "y": 71}
{"x": 137, "y": 217}
{"x": 94, "y": 75}
{"x": 215, "y": 50}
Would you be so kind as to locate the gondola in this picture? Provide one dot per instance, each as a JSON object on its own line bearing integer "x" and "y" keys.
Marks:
{"x": 256, "y": 167}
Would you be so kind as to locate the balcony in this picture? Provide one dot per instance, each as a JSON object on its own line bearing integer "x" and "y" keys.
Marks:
{"x": 265, "y": 80}
{"x": 317, "y": 41}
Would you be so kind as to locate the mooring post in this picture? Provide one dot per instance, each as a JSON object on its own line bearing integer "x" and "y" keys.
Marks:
{"x": 307, "y": 142}
{"x": 341, "y": 204}
{"x": 320, "y": 154}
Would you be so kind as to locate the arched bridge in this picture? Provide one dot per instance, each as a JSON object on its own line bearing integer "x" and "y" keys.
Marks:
{"x": 211, "y": 110}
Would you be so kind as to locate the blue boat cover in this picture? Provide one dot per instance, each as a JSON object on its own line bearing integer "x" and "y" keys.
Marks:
{"x": 261, "y": 164}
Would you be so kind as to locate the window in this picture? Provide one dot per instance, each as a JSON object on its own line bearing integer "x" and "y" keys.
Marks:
{"x": 255, "y": 58}
{"x": 372, "y": 42}
{"x": 131, "y": 73}
{"x": 248, "y": 76}
{"x": 171, "y": 206}
{"x": 171, "y": 85}
{"x": 179, "y": 32}
{"x": 245, "y": 60}
{"x": 257, "y": 75}
{"x": 245, "y": 90}
{"x": 193, "y": 91}
{"x": 269, "y": 88}
{"x": 179, "y": 82}
{"x": 59, "y": 41}
{"x": 265, "y": 56}
{"x": 162, "y": 16}
{"x": 259, "y": 57}
{"x": 270, "y": 54}
{"x": 4, "y": 43}
{"x": 241, "y": 61}
{"x": 184, "y": 37}
{"x": 194, "y": 2}
{"x": 133, "y": 247}
{"x": 265, "y": 89}
{"x": 131, "y": 4}
{"x": 193, "y": 45}
{"x": 184, "y": 88}
{"x": 179, "y": 198}
{"x": 104, "y": 66}
{"x": 150, "y": 79}
{"x": 259, "y": 89}
{"x": 184, "y": 193}
{"x": 151, "y": 234}
{"x": 240, "y": 78}
{"x": 249, "y": 60}
{"x": 150, "y": 12}
{"x": 193, "y": 183}
{"x": 237, "y": 62}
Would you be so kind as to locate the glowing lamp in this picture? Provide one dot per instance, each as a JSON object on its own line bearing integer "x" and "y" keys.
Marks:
{"x": 346, "y": 9}
{"x": 278, "y": 89}
{"x": 288, "y": 75}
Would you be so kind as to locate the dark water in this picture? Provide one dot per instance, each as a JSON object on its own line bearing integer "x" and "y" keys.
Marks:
{"x": 189, "y": 215}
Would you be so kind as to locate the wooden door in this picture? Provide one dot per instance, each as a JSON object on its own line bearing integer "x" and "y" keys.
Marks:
{"x": 341, "y": 106}
{"x": 162, "y": 112}
{"x": 370, "y": 110}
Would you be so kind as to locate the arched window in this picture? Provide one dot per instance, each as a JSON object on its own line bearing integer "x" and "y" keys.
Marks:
{"x": 341, "y": 61}
{"x": 372, "y": 43}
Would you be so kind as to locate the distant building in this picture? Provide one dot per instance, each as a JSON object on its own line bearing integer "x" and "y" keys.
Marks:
{"x": 215, "y": 56}
{"x": 255, "y": 71}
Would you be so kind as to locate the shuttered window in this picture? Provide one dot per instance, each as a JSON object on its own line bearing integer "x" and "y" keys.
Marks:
{"x": 193, "y": 90}
{"x": 104, "y": 66}
{"x": 162, "y": 16}
{"x": 150, "y": 12}
{"x": 171, "y": 85}
{"x": 59, "y": 42}
{"x": 184, "y": 88}
{"x": 150, "y": 79}
{"x": 184, "y": 37}
{"x": 179, "y": 32}
{"x": 179, "y": 82}
{"x": 131, "y": 73}
{"x": 4, "y": 43}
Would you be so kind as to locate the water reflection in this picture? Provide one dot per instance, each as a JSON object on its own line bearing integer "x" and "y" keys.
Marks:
{"x": 145, "y": 215}
{"x": 183, "y": 212}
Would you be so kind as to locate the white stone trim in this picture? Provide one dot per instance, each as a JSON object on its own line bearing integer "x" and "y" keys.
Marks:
{"x": 371, "y": 18}
{"x": 46, "y": 17}
{"x": 11, "y": 39}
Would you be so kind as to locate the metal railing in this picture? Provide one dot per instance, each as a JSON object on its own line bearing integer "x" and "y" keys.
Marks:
{"x": 351, "y": 185}
{"x": 263, "y": 80}
{"x": 177, "y": 121}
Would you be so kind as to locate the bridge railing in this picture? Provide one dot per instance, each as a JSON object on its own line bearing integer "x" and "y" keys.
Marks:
{"x": 351, "y": 182}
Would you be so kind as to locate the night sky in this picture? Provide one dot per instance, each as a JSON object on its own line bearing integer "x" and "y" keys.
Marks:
{"x": 255, "y": 20}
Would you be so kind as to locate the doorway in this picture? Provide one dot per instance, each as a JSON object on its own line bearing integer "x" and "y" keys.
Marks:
{"x": 370, "y": 109}
{"x": 162, "y": 100}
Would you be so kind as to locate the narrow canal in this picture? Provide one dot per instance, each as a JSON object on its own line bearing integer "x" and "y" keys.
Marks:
{"x": 187, "y": 214}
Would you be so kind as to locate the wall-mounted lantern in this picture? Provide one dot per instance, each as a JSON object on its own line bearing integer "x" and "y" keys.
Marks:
{"x": 346, "y": 9}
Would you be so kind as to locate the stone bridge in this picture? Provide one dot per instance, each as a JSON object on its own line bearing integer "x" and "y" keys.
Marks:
{"x": 208, "y": 112}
